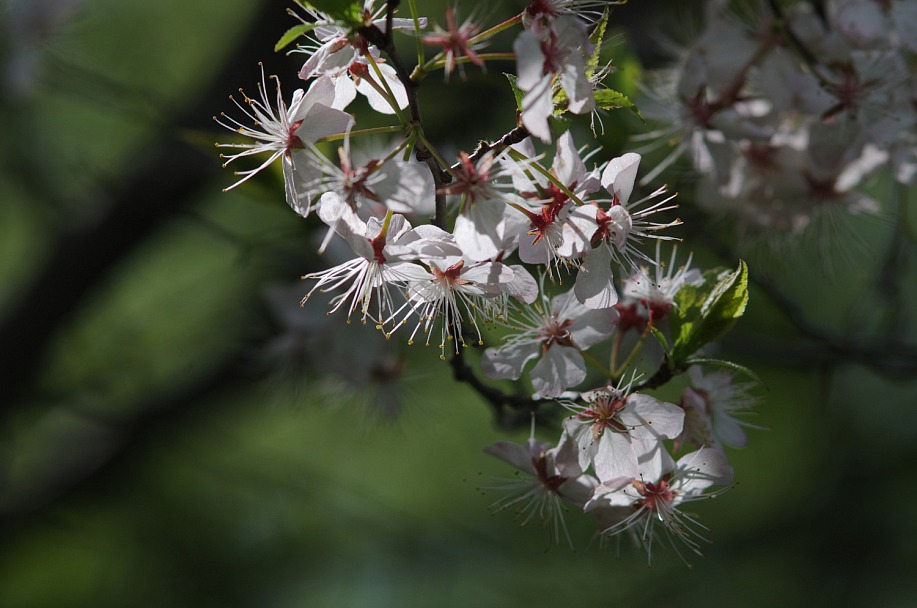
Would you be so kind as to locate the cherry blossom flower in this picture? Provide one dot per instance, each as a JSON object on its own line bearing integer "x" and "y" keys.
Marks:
{"x": 657, "y": 493}
{"x": 403, "y": 186}
{"x": 712, "y": 404}
{"x": 616, "y": 232}
{"x": 484, "y": 217}
{"x": 452, "y": 292}
{"x": 543, "y": 54}
{"x": 455, "y": 40}
{"x": 554, "y": 331}
{"x": 385, "y": 252}
{"x": 554, "y": 482}
{"x": 550, "y": 211}
{"x": 340, "y": 54}
{"x": 614, "y": 429}
{"x": 283, "y": 132}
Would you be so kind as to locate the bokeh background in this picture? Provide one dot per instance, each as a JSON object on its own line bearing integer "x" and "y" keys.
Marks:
{"x": 165, "y": 441}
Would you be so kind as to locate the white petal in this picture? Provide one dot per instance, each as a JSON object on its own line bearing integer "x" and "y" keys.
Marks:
{"x": 592, "y": 326}
{"x": 560, "y": 368}
{"x": 523, "y": 286}
{"x": 322, "y": 121}
{"x": 537, "y": 106}
{"x": 477, "y": 232}
{"x": 529, "y": 60}
{"x": 376, "y": 100}
{"x": 568, "y": 166}
{"x": 619, "y": 176}
{"x": 298, "y": 173}
{"x": 615, "y": 457}
{"x": 701, "y": 469}
{"x": 508, "y": 361}
{"x": 344, "y": 92}
{"x": 595, "y": 286}
{"x": 651, "y": 418}
{"x": 512, "y": 453}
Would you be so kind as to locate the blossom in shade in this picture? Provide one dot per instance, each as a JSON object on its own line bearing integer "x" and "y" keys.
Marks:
{"x": 614, "y": 429}
{"x": 657, "y": 493}
{"x": 714, "y": 404}
{"x": 552, "y": 481}
{"x": 456, "y": 42}
{"x": 648, "y": 299}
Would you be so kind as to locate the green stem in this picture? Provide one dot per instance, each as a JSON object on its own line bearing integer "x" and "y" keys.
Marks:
{"x": 550, "y": 176}
{"x": 615, "y": 350}
{"x": 374, "y": 130}
{"x": 595, "y": 363}
{"x": 413, "y": 5}
{"x": 496, "y": 29}
{"x": 387, "y": 92}
{"x": 633, "y": 355}
{"x": 432, "y": 150}
{"x": 439, "y": 61}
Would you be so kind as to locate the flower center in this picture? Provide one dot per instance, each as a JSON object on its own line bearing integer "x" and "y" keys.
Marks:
{"x": 604, "y": 414}
{"x": 294, "y": 142}
{"x": 654, "y": 494}
{"x": 450, "y": 276}
{"x": 613, "y": 225}
{"x": 555, "y": 331}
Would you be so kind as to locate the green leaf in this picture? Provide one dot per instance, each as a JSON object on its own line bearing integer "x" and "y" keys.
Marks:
{"x": 596, "y": 38}
{"x": 559, "y": 125}
{"x": 726, "y": 303}
{"x": 517, "y": 92}
{"x": 727, "y": 364}
{"x": 560, "y": 101}
{"x": 609, "y": 99}
{"x": 694, "y": 326}
{"x": 293, "y": 33}
{"x": 349, "y": 15}
{"x": 660, "y": 337}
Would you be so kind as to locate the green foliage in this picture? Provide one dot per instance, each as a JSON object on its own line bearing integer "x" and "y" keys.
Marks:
{"x": 596, "y": 38}
{"x": 700, "y": 318}
{"x": 517, "y": 92}
{"x": 293, "y": 33}
{"x": 608, "y": 99}
{"x": 348, "y": 15}
{"x": 559, "y": 125}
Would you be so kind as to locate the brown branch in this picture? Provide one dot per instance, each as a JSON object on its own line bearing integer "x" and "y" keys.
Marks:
{"x": 510, "y": 411}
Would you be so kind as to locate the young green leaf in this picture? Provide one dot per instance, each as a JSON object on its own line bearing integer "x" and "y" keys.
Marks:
{"x": 347, "y": 14}
{"x": 694, "y": 326}
{"x": 517, "y": 92}
{"x": 293, "y": 33}
{"x": 559, "y": 125}
{"x": 609, "y": 99}
{"x": 725, "y": 364}
{"x": 596, "y": 39}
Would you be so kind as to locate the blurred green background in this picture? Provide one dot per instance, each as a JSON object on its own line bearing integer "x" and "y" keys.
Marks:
{"x": 162, "y": 445}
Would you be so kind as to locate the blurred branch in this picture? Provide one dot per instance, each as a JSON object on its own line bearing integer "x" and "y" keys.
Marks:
{"x": 168, "y": 182}
{"x": 889, "y": 356}
{"x": 510, "y": 411}
{"x": 129, "y": 437}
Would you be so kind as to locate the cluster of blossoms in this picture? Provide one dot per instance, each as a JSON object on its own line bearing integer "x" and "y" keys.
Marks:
{"x": 551, "y": 256}
{"x": 785, "y": 112}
